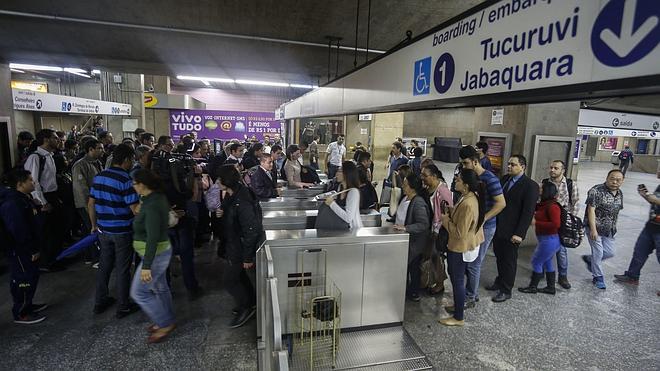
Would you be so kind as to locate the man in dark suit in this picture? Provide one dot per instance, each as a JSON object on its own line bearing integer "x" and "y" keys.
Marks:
{"x": 521, "y": 194}
{"x": 262, "y": 182}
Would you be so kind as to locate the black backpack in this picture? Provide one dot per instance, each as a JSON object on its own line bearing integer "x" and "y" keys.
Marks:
{"x": 571, "y": 230}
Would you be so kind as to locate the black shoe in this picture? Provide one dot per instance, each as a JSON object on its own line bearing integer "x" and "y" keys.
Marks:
{"x": 587, "y": 260}
{"x": 528, "y": 290}
{"x": 55, "y": 267}
{"x": 550, "y": 288}
{"x": 414, "y": 297}
{"x": 533, "y": 284}
{"x": 501, "y": 297}
{"x": 493, "y": 287}
{"x": 563, "y": 282}
{"x": 132, "y": 308}
{"x": 104, "y": 305}
{"x": 195, "y": 294}
{"x": 469, "y": 304}
{"x": 36, "y": 308}
{"x": 235, "y": 311}
{"x": 29, "y": 319}
{"x": 622, "y": 278}
{"x": 242, "y": 318}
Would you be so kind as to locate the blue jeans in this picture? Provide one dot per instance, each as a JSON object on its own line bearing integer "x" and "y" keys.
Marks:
{"x": 545, "y": 251}
{"x": 456, "y": 267}
{"x": 647, "y": 241}
{"x": 602, "y": 248}
{"x": 562, "y": 260}
{"x": 155, "y": 298}
{"x": 473, "y": 270}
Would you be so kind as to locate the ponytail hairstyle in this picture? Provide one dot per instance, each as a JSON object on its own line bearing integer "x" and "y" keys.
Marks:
{"x": 471, "y": 180}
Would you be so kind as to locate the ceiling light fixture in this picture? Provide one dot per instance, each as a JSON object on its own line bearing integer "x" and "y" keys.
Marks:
{"x": 207, "y": 79}
{"x": 17, "y": 71}
{"x": 77, "y": 71}
{"x": 262, "y": 83}
{"x": 206, "y": 83}
{"x": 301, "y": 86}
{"x": 34, "y": 67}
{"x": 96, "y": 72}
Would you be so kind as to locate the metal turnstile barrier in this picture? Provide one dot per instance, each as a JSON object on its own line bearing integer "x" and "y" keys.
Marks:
{"x": 306, "y": 219}
{"x": 304, "y": 192}
{"x": 289, "y": 203}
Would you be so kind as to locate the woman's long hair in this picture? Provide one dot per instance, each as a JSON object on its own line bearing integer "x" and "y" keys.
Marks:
{"x": 548, "y": 191}
{"x": 351, "y": 175}
{"x": 471, "y": 180}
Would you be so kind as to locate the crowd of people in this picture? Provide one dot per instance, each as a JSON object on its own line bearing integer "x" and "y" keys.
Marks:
{"x": 148, "y": 200}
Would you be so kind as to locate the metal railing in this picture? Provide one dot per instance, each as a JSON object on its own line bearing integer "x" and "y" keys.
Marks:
{"x": 272, "y": 355}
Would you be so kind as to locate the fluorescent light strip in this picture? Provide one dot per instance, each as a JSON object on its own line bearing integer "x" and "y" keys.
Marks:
{"x": 35, "y": 67}
{"x": 206, "y": 83}
{"x": 208, "y": 79}
{"x": 17, "y": 71}
{"x": 262, "y": 83}
{"x": 301, "y": 86}
{"x": 96, "y": 72}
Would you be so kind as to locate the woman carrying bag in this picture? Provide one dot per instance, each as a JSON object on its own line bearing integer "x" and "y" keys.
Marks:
{"x": 464, "y": 223}
{"x": 416, "y": 218}
{"x": 347, "y": 204}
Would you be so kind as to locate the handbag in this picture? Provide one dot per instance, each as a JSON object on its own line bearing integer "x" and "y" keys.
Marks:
{"x": 212, "y": 197}
{"x": 386, "y": 193}
{"x": 327, "y": 219}
{"x": 441, "y": 241}
{"x": 433, "y": 274}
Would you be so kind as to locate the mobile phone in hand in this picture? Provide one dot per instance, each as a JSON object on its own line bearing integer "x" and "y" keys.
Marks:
{"x": 443, "y": 206}
{"x": 642, "y": 187}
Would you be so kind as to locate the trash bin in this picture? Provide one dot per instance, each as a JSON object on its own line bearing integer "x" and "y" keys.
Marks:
{"x": 615, "y": 158}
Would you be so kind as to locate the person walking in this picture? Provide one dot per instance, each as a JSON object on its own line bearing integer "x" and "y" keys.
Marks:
{"x": 314, "y": 153}
{"x": 520, "y": 194}
{"x": 604, "y": 201}
{"x": 347, "y": 205}
{"x": 415, "y": 219}
{"x": 150, "y": 240}
{"x": 647, "y": 241}
{"x": 625, "y": 159}
{"x": 112, "y": 205}
{"x": 567, "y": 197}
{"x": 547, "y": 220}
{"x": 464, "y": 223}
{"x": 495, "y": 203}
{"x": 336, "y": 152}
{"x": 19, "y": 235}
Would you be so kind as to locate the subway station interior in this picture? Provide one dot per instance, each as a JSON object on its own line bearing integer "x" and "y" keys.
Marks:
{"x": 302, "y": 278}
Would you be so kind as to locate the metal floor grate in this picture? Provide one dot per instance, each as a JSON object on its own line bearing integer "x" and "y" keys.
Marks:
{"x": 378, "y": 349}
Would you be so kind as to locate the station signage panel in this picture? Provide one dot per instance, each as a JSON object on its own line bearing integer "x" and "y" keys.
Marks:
{"x": 224, "y": 125}
{"x": 605, "y": 132}
{"x": 510, "y": 46}
{"x": 618, "y": 120}
{"x": 27, "y": 100}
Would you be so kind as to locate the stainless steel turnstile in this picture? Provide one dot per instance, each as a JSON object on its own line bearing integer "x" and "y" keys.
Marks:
{"x": 305, "y": 219}
{"x": 290, "y": 203}
{"x": 304, "y": 192}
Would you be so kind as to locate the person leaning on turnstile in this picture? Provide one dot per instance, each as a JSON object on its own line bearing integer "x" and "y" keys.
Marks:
{"x": 242, "y": 234}
{"x": 347, "y": 205}
{"x": 262, "y": 182}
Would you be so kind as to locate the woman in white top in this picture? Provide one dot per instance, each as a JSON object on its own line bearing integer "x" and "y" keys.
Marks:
{"x": 347, "y": 205}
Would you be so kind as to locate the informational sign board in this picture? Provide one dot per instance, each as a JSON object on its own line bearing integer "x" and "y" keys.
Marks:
{"x": 407, "y": 143}
{"x": 30, "y": 85}
{"x": 27, "y": 100}
{"x": 618, "y": 120}
{"x": 497, "y": 117}
{"x": 604, "y": 132}
{"x": 224, "y": 125}
{"x": 509, "y": 46}
{"x": 365, "y": 117}
{"x": 576, "y": 152}
{"x": 496, "y": 154}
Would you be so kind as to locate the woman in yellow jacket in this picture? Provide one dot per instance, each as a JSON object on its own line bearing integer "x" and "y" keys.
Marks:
{"x": 464, "y": 223}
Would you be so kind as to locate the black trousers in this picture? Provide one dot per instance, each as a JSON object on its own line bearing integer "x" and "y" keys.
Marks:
{"x": 506, "y": 254}
{"x": 52, "y": 236}
{"x": 23, "y": 279}
{"x": 240, "y": 284}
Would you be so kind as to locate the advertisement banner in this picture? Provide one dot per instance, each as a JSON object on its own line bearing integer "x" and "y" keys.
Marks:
{"x": 607, "y": 144}
{"x": 496, "y": 154}
{"x": 223, "y": 125}
{"x": 27, "y": 100}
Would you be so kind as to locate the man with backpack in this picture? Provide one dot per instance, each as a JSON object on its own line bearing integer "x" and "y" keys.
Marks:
{"x": 567, "y": 198}
{"x": 625, "y": 159}
{"x": 17, "y": 233}
{"x": 41, "y": 166}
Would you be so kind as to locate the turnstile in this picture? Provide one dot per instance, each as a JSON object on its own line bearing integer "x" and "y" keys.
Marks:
{"x": 290, "y": 203}
{"x": 304, "y": 192}
{"x": 305, "y": 219}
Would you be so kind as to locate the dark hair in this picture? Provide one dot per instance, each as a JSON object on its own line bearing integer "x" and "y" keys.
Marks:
{"x": 398, "y": 145}
{"x": 415, "y": 183}
{"x": 15, "y": 176}
{"x": 138, "y": 132}
{"x": 548, "y": 191}
{"x": 60, "y": 134}
{"x": 162, "y": 140}
{"x": 89, "y": 144}
{"x": 234, "y": 147}
{"x": 468, "y": 152}
{"x": 471, "y": 180}
{"x": 104, "y": 135}
{"x": 435, "y": 172}
{"x": 483, "y": 146}
{"x": 44, "y": 134}
{"x": 316, "y": 137}
{"x": 70, "y": 144}
{"x": 149, "y": 179}
{"x": 122, "y": 153}
{"x": 615, "y": 171}
{"x": 358, "y": 143}
{"x": 427, "y": 162}
{"x": 351, "y": 174}
{"x": 363, "y": 174}
{"x": 142, "y": 151}
{"x": 145, "y": 136}
{"x": 563, "y": 164}
{"x": 25, "y": 135}
{"x": 255, "y": 147}
{"x": 418, "y": 152}
{"x": 275, "y": 148}
{"x": 229, "y": 176}
{"x": 521, "y": 159}
{"x": 290, "y": 150}
{"x": 363, "y": 156}
{"x": 303, "y": 144}
{"x": 264, "y": 157}
{"x": 404, "y": 171}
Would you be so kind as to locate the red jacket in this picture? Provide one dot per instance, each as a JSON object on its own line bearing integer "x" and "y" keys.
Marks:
{"x": 548, "y": 218}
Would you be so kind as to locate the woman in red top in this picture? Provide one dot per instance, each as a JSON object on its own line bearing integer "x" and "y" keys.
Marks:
{"x": 547, "y": 221}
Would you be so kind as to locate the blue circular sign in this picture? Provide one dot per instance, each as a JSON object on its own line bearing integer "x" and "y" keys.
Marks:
{"x": 443, "y": 73}
{"x": 626, "y": 31}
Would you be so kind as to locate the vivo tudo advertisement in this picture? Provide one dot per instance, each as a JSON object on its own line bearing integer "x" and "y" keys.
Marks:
{"x": 223, "y": 125}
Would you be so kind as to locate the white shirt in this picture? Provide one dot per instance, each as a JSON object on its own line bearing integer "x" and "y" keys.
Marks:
{"x": 48, "y": 182}
{"x": 352, "y": 213}
{"x": 336, "y": 153}
{"x": 402, "y": 211}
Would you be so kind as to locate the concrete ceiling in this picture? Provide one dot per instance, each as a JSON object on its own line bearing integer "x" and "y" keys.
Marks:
{"x": 211, "y": 38}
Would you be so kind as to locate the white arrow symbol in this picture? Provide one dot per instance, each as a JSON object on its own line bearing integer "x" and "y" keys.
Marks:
{"x": 623, "y": 44}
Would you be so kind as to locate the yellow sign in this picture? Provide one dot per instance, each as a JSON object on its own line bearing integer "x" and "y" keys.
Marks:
{"x": 150, "y": 100}
{"x": 34, "y": 86}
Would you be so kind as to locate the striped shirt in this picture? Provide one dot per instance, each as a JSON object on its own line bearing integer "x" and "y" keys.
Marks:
{"x": 493, "y": 189}
{"x": 114, "y": 194}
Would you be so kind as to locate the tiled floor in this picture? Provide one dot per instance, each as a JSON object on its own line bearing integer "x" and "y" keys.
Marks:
{"x": 582, "y": 328}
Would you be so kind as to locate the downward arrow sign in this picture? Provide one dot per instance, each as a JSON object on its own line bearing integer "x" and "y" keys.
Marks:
{"x": 628, "y": 39}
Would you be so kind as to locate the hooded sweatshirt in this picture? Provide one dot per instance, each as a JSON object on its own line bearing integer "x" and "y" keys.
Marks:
{"x": 18, "y": 222}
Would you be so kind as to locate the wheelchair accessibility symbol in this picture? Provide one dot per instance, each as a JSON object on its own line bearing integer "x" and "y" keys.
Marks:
{"x": 422, "y": 79}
